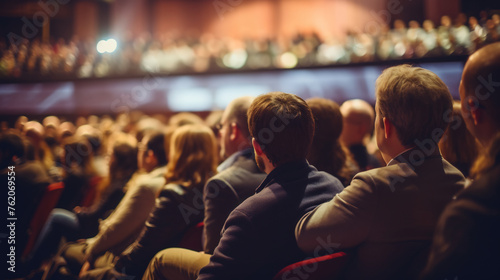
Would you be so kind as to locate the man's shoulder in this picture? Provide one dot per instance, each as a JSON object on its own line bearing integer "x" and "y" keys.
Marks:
{"x": 485, "y": 190}
{"x": 243, "y": 171}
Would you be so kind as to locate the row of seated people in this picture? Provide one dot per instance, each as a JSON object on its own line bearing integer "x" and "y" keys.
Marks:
{"x": 386, "y": 216}
{"x": 172, "y": 53}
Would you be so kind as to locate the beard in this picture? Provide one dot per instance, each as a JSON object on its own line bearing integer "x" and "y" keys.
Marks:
{"x": 260, "y": 163}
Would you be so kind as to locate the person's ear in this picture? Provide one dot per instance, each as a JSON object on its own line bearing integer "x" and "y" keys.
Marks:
{"x": 257, "y": 147}
{"x": 388, "y": 128}
{"x": 235, "y": 131}
{"x": 476, "y": 114}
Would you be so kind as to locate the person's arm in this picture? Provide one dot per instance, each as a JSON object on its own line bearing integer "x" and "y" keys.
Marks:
{"x": 163, "y": 229}
{"x": 453, "y": 241}
{"x": 230, "y": 259}
{"x": 219, "y": 201}
{"x": 100, "y": 208}
{"x": 342, "y": 222}
{"x": 126, "y": 220}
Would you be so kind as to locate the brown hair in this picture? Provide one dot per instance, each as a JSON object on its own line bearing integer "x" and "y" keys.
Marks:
{"x": 77, "y": 156}
{"x": 121, "y": 168}
{"x": 193, "y": 155}
{"x": 489, "y": 158}
{"x": 327, "y": 153}
{"x": 415, "y": 100}
{"x": 283, "y": 126}
{"x": 458, "y": 146}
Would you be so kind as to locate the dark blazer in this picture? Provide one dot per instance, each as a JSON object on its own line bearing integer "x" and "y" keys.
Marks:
{"x": 177, "y": 209}
{"x": 258, "y": 237}
{"x": 223, "y": 192}
{"x": 387, "y": 215}
{"x": 467, "y": 240}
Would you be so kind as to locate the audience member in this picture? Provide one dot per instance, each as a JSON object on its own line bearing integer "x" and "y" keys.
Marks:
{"x": 34, "y": 132}
{"x": 83, "y": 222}
{"x": 192, "y": 160}
{"x": 466, "y": 242}
{"x": 387, "y": 215}
{"x": 30, "y": 181}
{"x": 78, "y": 172}
{"x": 327, "y": 153}
{"x": 457, "y": 145}
{"x": 257, "y": 239}
{"x": 238, "y": 176}
{"x": 357, "y": 128}
{"x": 125, "y": 223}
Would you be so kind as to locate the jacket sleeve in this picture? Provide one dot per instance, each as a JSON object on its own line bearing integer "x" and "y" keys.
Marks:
{"x": 219, "y": 201}
{"x": 230, "y": 260}
{"x": 453, "y": 240}
{"x": 163, "y": 229}
{"x": 342, "y": 222}
{"x": 121, "y": 224}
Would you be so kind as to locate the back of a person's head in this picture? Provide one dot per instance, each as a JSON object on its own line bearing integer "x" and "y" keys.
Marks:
{"x": 184, "y": 118}
{"x": 283, "y": 125}
{"x": 192, "y": 156}
{"x": 327, "y": 154}
{"x": 237, "y": 112}
{"x": 124, "y": 161}
{"x": 481, "y": 81}
{"x": 415, "y": 101}
{"x": 11, "y": 145}
{"x": 77, "y": 156}
{"x": 156, "y": 144}
{"x": 458, "y": 145}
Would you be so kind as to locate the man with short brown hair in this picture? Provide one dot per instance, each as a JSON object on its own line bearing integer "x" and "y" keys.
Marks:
{"x": 387, "y": 215}
{"x": 258, "y": 240}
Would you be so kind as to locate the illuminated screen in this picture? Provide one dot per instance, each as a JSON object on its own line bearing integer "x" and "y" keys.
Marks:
{"x": 199, "y": 92}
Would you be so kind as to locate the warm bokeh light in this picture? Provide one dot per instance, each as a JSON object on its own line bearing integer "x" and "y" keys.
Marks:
{"x": 107, "y": 46}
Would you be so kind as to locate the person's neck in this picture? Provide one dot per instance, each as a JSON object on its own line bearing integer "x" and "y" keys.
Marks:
{"x": 393, "y": 153}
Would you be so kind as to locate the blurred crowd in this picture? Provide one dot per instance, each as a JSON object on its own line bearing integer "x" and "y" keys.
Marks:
{"x": 99, "y": 161}
{"x": 177, "y": 53}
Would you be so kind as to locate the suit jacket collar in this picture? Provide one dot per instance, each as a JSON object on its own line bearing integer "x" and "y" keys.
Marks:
{"x": 416, "y": 155}
{"x": 233, "y": 158}
{"x": 288, "y": 170}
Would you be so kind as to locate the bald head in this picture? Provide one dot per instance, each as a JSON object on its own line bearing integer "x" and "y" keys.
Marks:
{"x": 480, "y": 92}
{"x": 236, "y": 111}
{"x": 234, "y": 134}
{"x": 358, "y": 121}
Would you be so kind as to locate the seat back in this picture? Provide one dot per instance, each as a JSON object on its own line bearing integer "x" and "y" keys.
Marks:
{"x": 192, "y": 238}
{"x": 324, "y": 267}
{"x": 47, "y": 203}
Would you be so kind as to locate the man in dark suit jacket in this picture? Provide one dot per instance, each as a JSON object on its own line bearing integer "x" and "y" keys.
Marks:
{"x": 467, "y": 240}
{"x": 238, "y": 175}
{"x": 387, "y": 215}
{"x": 258, "y": 238}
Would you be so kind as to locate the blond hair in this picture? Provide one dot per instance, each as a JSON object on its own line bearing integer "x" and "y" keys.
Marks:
{"x": 192, "y": 156}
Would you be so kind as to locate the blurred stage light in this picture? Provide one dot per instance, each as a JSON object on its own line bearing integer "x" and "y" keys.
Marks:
{"x": 107, "y": 46}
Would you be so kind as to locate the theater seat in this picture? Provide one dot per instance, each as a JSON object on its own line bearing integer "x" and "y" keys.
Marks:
{"x": 324, "y": 267}
{"x": 192, "y": 238}
{"x": 46, "y": 205}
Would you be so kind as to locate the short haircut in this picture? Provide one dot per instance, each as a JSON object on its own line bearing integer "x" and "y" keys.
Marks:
{"x": 156, "y": 144}
{"x": 415, "y": 101}
{"x": 238, "y": 109}
{"x": 481, "y": 80}
{"x": 283, "y": 125}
